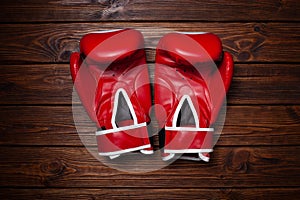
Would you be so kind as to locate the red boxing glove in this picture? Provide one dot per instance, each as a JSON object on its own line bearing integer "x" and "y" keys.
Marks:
{"x": 111, "y": 78}
{"x": 192, "y": 76}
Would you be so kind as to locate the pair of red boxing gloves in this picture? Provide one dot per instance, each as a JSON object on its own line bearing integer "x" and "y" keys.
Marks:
{"x": 192, "y": 76}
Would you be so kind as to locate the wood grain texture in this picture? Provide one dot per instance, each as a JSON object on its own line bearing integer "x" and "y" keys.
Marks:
{"x": 42, "y": 156}
{"x": 52, "y": 84}
{"x": 54, "y": 126}
{"x": 75, "y": 167}
{"x": 139, "y": 194}
{"x": 125, "y": 10}
{"x": 53, "y": 43}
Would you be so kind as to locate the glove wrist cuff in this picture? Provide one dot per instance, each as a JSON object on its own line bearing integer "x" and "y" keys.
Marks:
{"x": 116, "y": 141}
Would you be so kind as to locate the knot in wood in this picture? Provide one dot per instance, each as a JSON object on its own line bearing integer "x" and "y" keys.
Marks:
{"x": 54, "y": 167}
{"x": 238, "y": 161}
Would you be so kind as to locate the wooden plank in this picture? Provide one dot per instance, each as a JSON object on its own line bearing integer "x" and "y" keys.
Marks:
{"x": 106, "y": 10}
{"x": 52, "y": 126}
{"x": 75, "y": 167}
{"x": 52, "y": 43}
{"x": 36, "y": 84}
{"x": 137, "y": 193}
{"x": 52, "y": 84}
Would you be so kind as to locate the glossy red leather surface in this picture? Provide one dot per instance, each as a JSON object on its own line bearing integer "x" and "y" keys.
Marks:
{"x": 109, "y": 62}
{"x": 192, "y": 65}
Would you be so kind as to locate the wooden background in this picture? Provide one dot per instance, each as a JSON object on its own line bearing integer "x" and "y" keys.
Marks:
{"x": 41, "y": 155}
